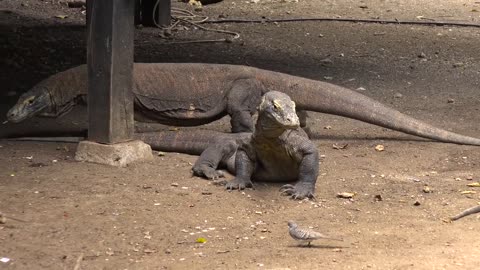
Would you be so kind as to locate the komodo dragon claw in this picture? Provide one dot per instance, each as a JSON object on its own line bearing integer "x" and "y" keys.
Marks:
{"x": 297, "y": 192}
{"x": 239, "y": 184}
{"x": 207, "y": 172}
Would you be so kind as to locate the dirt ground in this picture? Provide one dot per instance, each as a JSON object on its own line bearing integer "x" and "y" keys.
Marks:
{"x": 151, "y": 215}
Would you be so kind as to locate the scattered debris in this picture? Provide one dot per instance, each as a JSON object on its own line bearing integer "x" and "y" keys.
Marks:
{"x": 379, "y": 148}
{"x": 346, "y": 195}
{"x": 416, "y": 203}
{"x": 468, "y": 192}
{"x": 201, "y": 240}
{"x": 426, "y": 189}
{"x": 339, "y": 146}
{"x": 161, "y": 154}
{"x": 149, "y": 251}
{"x": 78, "y": 262}
{"x": 458, "y": 64}
{"x": 422, "y": 55}
{"x": 61, "y": 16}
{"x": 326, "y": 61}
{"x": 398, "y": 95}
{"x": 474, "y": 184}
{"x": 174, "y": 184}
{"x": 450, "y": 100}
{"x": 4, "y": 260}
{"x": 378, "y": 198}
{"x": 361, "y": 89}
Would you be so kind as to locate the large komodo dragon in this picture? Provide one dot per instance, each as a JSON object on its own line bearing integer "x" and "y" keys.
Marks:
{"x": 194, "y": 94}
{"x": 278, "y": 149}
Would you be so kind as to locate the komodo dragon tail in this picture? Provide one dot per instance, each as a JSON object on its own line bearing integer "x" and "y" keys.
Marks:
{"x": 187, "y": 142}
{"x": 324, "y": 97}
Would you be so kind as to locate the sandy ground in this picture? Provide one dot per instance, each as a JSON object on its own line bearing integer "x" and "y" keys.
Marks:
{"x": 152, "y": 215}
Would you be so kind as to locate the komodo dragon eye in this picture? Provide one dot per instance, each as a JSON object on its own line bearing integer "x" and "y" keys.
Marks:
{"x": 276, "y": 105}
{"x": 30, "y": 100}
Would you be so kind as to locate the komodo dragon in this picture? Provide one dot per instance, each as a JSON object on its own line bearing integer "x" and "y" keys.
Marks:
{"x": 278, "y": 149}
{"x": 194, "y": 94}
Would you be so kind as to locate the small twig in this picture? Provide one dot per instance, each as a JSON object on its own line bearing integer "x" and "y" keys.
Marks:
{"x": 469, "y": 211}
{"x": 79, "y": 261}
{"x": 3, "y": 217}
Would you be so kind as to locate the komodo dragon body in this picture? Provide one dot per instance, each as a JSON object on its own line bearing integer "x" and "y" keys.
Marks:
{"x": 278, "y": 149}
{"x": 193, "y": 94}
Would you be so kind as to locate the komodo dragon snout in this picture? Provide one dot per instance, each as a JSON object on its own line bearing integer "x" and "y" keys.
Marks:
{"x": 28, "y": 104}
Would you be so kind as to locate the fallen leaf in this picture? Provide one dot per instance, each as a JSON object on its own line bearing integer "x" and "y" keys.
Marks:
{"x": 474, "y": 184}
{"x": 468, "y": 192}
{"x": 345, "y": 195}
{"x": 201, "y": 240}
{"x": 340, "y": 146}
{"x": 61, "y": 16}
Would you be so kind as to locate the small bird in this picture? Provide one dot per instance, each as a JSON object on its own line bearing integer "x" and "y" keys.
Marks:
{"x": 306, "y": 235}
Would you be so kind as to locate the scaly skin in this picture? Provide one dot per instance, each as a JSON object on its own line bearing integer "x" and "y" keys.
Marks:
{"x": 278, "y": 150}
{"x": 194, "y": 94}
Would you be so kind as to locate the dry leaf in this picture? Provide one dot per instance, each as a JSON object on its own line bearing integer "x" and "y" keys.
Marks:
{"x": 468, "y": 192}
{"x": 346, "y": 195}
{"x": 474, "y": 184}
{"x": 379, "y": 148}
{"x": 339, "y": 146}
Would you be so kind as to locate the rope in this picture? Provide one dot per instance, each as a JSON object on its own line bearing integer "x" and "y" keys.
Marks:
{"x": 436, "y": 23}
{"x": 187, "y": 17}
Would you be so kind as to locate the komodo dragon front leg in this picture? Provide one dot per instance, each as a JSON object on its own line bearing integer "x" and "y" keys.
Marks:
{"x": 278, "y": 150}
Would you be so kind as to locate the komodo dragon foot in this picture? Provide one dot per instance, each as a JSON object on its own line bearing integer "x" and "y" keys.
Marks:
{"x": 208, "y": 172}
{"x": 239, "y": 184}
{"x": 298, "y": 191}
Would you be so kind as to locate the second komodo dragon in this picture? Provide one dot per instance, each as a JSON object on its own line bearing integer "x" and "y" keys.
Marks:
{"x": 278, "y": 150}
{"x": 192, "y": 94}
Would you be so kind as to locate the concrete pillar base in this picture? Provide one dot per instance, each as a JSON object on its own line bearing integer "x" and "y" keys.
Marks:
{"x": 119, "y": 154}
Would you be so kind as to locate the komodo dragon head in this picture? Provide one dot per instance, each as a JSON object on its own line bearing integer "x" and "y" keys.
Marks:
{"x": 276, "y": 113}
{"x": 52, "y": 97}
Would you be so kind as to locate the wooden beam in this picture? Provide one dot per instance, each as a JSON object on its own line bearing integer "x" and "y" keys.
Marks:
{"x": 110, "y": 66}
